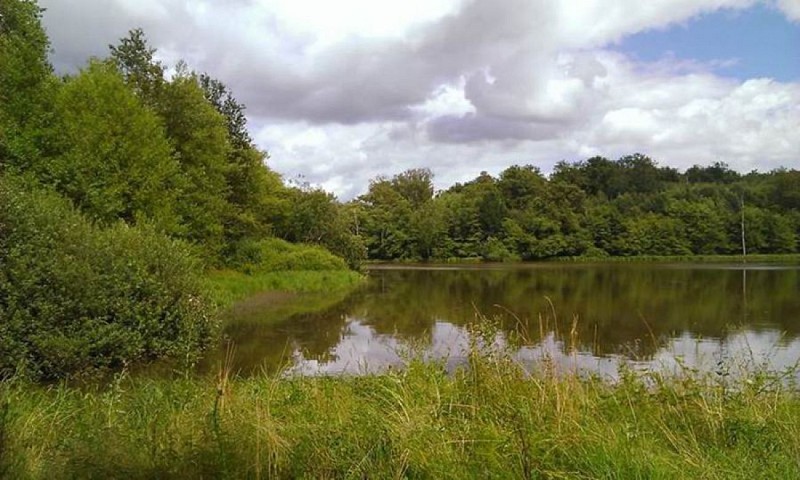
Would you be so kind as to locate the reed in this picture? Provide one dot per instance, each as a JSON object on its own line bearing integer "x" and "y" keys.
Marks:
{"x": 494, "y": 418}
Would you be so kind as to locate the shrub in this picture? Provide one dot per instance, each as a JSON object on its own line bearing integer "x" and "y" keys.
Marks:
{"x": 274, "y": 254}
{"x": 78, "y": 298}
{"x": 494, "y": 250}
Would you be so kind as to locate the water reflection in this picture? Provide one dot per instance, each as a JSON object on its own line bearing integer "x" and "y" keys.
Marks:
{"x": 578, "y": 316}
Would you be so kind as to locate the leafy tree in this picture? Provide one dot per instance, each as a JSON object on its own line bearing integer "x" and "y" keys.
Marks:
{"x": 427, "y": 226}
{"x": 26, "y": 84}
{"x": 116, "y": 162}
{"x": 785, "y": 189}
{"x": 414, "y": 185}
{"x": 653, "y": 234}
{"x": 386, "y": 220}
{"x": 718, "y": 172}
{"x": 254, "y": 191}
{"x": 521, "y": 185}
{"x": 464, "y": 235}
{"x": 641, "y": 175}
{"x": 703, "y": 224}
{"x": 490, "y": 203}
{"x": 135, "y": 60}
{"x": 200, "y": 139}
{"x": 223, "y": 100}
{"x": 316, "y": 217}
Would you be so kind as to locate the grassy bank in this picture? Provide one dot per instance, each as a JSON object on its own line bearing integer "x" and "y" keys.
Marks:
{"x": 492, "y": 420}
{"x": 227, "y": 286}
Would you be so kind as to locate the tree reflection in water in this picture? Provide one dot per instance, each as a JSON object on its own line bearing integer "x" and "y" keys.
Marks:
{"x": 599, "y": 315}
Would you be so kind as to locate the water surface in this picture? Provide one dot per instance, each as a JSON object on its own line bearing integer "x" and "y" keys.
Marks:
{"x": 591, "y": 317}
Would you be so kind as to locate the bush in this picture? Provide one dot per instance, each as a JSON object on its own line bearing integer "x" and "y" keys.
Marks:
{"x": 274, "y": 254}
{"x": 76, "y": 298}
{"x": 494, "y": 250}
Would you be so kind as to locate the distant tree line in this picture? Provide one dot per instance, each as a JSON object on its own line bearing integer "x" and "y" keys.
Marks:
{"x": 594, "y": 208}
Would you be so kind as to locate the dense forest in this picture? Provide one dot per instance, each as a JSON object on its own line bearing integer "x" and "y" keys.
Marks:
{"x": 119, "y": 183}
{"x": 593, "y": 208}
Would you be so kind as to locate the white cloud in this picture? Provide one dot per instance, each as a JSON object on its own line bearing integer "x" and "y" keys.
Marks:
{"x": 342, "y": 91}
{"x": 790, "y": 8}
{"x": 598, "y": 22}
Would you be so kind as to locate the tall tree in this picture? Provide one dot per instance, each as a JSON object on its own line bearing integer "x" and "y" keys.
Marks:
{"x": 116, "y": 160}
{"x": 253, "y": 188}
{"x": 200, "y": 139}
{"x": 135, "y": 60}
{"x": 26, "y": 84}
{"x": 521, "y": 185}
{"x": 415, "y": 185}
{"x": 218, "y": 94}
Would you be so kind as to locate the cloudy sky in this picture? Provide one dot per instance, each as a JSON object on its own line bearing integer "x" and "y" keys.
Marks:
{"x": 341, "y": 91}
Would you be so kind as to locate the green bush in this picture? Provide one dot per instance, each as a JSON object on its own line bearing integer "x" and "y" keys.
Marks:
{"x": 76, "y": 298}
{"x": 274, "y": 254}
{"x": 494, "y": 250}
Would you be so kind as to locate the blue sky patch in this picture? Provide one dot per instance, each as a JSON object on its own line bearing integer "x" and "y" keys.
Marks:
{"x": 761, "y": 40}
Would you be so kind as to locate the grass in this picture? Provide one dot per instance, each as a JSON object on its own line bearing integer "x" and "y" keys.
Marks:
{"x": 494, "y": 419}
{"x": 228, "y": 286}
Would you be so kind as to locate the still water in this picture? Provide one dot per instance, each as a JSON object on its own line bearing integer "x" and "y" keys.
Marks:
{"x": 586, "y": 317}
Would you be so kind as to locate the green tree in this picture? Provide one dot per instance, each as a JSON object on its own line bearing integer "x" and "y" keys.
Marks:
{"x": 427, "y": 226}
{"x": 785, "y": 189}
{"x": 255, "y": 191}
{"x": 386, "y": 221}
{"x": 218, "y": 94}
{"x": 26, "y": 84}
{"x": 718, "y": 172}
{"x": 521, "y": 185}
{"x": 414, "y": 185}
{"x": 703, "y": 224}
{"x": 116, "y": 162}
{"x": 135, "y": 60}
{"x": 199, "y": 136}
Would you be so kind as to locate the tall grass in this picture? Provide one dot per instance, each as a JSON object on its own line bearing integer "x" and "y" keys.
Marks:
{"x": 493, "y": 419}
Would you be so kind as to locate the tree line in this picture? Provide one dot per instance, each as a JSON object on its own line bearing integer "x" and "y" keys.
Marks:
{"x": 592, "y": 208}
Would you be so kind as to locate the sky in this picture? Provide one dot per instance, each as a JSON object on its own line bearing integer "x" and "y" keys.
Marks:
{"x": 341, "y": 92}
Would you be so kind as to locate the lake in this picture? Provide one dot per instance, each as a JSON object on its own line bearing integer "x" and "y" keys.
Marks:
{"x": 589, "y": 317}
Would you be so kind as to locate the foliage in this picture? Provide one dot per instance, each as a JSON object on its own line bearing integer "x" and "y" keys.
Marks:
{"x": 76, "y": 297}
{"x": 317, "y": 218}
{"x": 494, "y": 419}
{"x": 115, "y": 160}
{"x": 26, "y": 83}
{"x": 594, "y": 208}
{"x": 200, "y": 139}
{"x": 275, "y": 255}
